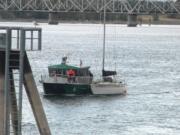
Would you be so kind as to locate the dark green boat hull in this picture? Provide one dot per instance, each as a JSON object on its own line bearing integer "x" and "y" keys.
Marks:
{"x": 61, "y": 89}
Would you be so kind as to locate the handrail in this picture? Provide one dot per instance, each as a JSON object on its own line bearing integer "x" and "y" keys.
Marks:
{"x": 65, "y": 77}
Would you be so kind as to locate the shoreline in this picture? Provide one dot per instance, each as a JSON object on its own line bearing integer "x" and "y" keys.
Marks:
{"x": 160, "y": 22}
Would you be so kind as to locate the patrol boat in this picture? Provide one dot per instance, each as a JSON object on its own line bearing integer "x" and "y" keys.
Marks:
{"x": 67, "y": 79}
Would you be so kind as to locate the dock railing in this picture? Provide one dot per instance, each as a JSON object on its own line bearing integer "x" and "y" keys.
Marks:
{"x": 32, "y": 37}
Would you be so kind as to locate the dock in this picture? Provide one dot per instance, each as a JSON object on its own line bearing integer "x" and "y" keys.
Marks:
{"x": 13, "y": 57}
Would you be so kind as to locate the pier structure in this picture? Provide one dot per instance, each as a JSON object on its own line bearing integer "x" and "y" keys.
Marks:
{"x": 16, "y": 78}
{"x": 131, "y": 8}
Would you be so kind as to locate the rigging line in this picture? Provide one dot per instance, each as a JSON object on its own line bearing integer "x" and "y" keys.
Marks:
{"x": 115, "y": 52}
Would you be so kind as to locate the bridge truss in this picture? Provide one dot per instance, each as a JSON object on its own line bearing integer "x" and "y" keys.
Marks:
{"x": 97, "y": 6}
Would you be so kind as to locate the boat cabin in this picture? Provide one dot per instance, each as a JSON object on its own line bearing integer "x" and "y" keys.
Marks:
{"x": 61, "y": 70}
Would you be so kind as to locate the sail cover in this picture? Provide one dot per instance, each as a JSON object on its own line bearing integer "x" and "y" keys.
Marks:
{"x": 108, "y": 73}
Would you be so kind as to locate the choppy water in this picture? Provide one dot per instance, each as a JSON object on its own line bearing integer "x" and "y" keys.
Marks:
{"x": 147, "y": 57}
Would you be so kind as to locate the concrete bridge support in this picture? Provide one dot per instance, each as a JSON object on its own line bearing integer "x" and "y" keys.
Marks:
{"x": 53, "y": 18}
{"x": 132, "y": 20}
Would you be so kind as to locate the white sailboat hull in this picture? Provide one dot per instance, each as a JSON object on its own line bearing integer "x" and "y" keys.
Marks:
{"x": 107, "y": 88}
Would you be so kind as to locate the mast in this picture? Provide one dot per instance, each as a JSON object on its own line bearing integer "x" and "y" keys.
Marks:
{"x": 104, "y": 36}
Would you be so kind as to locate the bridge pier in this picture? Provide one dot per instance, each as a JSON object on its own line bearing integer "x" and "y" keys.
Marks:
{"x": 155, "y": 17}
{"x": 53, "y": 18}
{"x": 132, "y": 20}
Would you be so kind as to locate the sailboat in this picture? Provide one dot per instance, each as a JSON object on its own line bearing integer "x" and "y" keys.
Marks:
{"x": 108, "y": 85}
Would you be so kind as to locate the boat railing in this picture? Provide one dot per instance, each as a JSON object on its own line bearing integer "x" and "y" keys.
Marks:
{"x": 59, "y": 78}
{"x": 66, "y": 79}
{"x": 119, "y": 79}
{"x": 112, "y": 79}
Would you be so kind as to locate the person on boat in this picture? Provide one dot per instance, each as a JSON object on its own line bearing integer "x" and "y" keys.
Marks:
{"x": 64, "y": 60}
{"x": 71, "y": 75}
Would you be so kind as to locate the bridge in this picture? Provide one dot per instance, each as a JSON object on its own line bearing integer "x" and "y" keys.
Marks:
{"x": 130, "y": 7}
{"x": 112, "y": 6}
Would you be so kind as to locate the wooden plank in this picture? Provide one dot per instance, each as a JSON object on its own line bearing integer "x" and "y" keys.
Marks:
{"x": 2, "y": 80}
{"x": 34, "y": 99}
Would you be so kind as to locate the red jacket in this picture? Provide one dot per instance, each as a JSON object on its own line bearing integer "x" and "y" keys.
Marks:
{"x": 71, "y": 72}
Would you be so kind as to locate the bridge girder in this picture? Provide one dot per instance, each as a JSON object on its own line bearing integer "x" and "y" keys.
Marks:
{"x": 112, "y": 6}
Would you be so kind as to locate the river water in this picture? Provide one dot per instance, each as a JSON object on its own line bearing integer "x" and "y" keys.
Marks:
{"x": 147, "y": 57}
